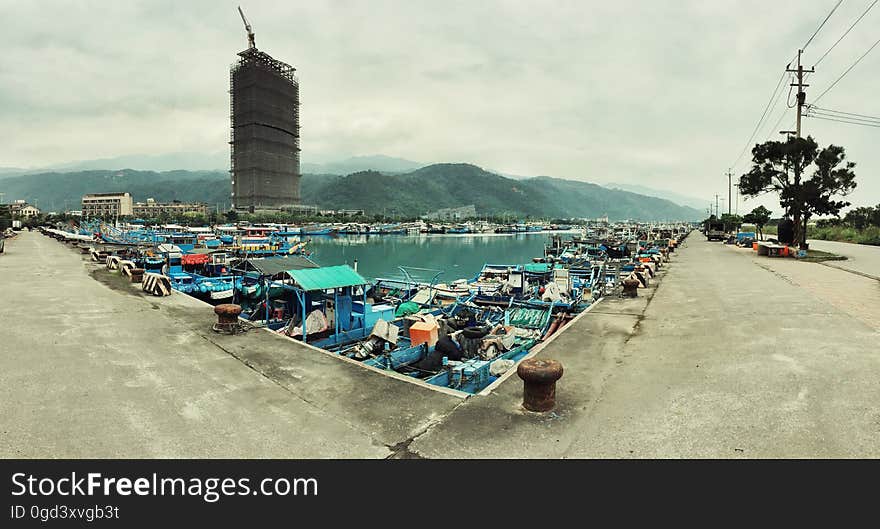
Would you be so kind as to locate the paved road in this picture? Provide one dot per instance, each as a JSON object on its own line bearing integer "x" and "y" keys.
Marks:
{"x": 89, "y": 371}
{"x": 731, "y": 358}
{"x": 861, "y": 258}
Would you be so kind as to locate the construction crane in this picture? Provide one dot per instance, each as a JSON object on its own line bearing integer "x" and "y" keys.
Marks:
{"x": 247, "y": 27}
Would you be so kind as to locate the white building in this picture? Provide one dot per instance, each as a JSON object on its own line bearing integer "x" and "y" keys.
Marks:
{"x": 20, "y": 208}
{"x": 107, "y": 204}
{"x": 464, "y": 212}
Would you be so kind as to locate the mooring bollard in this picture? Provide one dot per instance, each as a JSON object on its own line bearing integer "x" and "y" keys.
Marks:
{"x": 137, "y": 275}
{"x": 227, "y": 317}
{"x": 539, "y": 383}
{"x": 631, "y": 287}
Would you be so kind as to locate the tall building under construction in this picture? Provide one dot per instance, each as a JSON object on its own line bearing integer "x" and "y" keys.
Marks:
{"x": 264, "y": 108}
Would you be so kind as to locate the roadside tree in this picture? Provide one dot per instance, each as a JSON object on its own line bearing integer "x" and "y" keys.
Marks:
{"x": 781, "y": 167}
{"x": 759, "y": 216}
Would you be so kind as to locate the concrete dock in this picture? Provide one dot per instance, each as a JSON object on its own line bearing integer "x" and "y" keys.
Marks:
{"x": 728, "y": 355}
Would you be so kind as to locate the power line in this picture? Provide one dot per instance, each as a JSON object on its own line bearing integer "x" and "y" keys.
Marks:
{"x": 761, "y": 120}
{"x": 775, "y": 128}
{"x": 779, "y": 83}
{"x": 814, "y": 107}
{"x": 835, "y": 116}
{"x": 844, "y": 121}
{"x": 847, "y": 71}
{"x": 845, "y": 33}
{"x": 833, "y": 9}
{"x": 839, "y": 116}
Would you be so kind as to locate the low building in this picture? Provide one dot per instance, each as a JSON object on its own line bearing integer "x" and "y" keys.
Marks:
{"x": 21, "y": 208}
{"x": 464, "y": 212}
{"x": 29, "y": 211}
{"x": 342, "y": 212}
{"x": 107, "y": 204}
{"x": 300, "y": 209}
{"x": 153, "y": 209}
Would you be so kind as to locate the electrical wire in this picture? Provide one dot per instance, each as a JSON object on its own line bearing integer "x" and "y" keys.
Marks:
{"x": 772, "y": 130}
{"x": 776, "y": 126}
{"x": 828, "y": 110}
{"x": 815, "y": 113}
{"x": 845, "y": 33}
{"x": 763, "y": 115}
{"x": 844, "y": 121}
{"x": 778, "y": 84}
{"x": 833, "y": 116}
{"x": 847, "y": 71}
{"x": 833, "y": 9}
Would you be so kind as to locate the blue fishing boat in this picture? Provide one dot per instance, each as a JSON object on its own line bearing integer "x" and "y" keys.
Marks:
{"x": 460, "y": 228}
{"x": 317, "y": 230}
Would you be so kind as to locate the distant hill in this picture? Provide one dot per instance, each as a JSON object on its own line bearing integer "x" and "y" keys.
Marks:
{"x": 58, "y": 191}
{"x": 412, "y": 193}
{"x": 450, "y": 185}
{"x": 186, "y": 161}
{"x": 380, "y": 163}
{"x": 217, "y": 161}
{"x": 681, "y": 200}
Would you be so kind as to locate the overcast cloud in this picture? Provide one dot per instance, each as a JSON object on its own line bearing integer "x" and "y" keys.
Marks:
{"x": 660, "y": 93}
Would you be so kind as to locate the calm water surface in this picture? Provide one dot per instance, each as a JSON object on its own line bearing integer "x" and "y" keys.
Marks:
{"x": 458, "y": 256}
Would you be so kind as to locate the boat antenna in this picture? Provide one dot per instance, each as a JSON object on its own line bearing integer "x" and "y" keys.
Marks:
{"x": 247, "y": 27}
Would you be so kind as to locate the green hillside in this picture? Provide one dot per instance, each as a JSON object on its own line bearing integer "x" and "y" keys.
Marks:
{"x": 53, "y": 190}
{"x": 450, "y": 185}
{"x": 410, "y": 194}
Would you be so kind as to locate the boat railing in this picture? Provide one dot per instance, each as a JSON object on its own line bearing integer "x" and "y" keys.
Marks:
{"x": 412, "y": 282}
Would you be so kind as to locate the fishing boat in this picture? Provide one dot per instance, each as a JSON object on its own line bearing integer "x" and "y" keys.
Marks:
{"x": 318, "y": 230}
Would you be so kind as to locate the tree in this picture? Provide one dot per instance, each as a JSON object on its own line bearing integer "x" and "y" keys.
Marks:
{"x": 859, "y": 218}
{"x": 833, "y": 176}
{"x": 731, "y": 222}
{"x": 759, "y": 216}
{"x": 780, "y": 167}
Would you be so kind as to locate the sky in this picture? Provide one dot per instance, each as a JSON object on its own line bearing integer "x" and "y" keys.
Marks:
{"x": 661, "y": 93}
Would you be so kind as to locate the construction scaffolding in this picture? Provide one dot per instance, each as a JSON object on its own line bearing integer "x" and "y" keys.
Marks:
{"x": 264, "y": 137}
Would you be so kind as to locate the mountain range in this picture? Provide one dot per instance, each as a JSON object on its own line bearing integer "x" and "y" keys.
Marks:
{"x": 216, "y": 161}
{"x": 678, "y": 198}
{"x": 409, "y": 193}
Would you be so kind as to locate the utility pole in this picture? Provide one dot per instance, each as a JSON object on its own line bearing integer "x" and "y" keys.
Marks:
{"x": 801, "y": 95}
{"x": 729, "y": 176}
{"x": 716, "y": 204}
{"x": 801, "y": 98}
{"x": 737, "y": 199}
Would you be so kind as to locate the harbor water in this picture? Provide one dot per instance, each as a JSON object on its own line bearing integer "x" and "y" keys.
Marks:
{"x": 457, "y": 256}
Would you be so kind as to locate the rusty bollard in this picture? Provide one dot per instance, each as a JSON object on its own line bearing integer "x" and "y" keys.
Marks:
{"x": 539, "y": 383}
{"x": 227, "y": 317}
{"x": 631, "y": 287}
{"x": 137, "y": 275}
